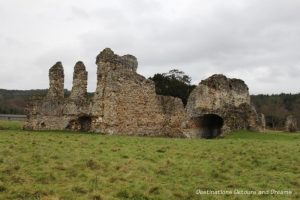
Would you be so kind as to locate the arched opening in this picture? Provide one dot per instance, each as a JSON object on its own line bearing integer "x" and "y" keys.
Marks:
{"x": 83, "y": 123}
{"x": 211, "y": 126}
{"x": 43, "y": 125}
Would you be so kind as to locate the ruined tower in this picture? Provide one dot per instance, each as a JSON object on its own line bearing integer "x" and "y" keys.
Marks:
{"x": 56, "y": 81}
{"x": 126, "y": 102}
{"x": 80, "y": 76}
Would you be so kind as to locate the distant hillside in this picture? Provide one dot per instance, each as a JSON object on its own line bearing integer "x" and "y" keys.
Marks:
{"x": 275, "y": 107}
{"x": 14, "y": 101}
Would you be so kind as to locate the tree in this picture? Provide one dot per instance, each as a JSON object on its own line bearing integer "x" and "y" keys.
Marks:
{"x": 174, "y": 83}
{"x": 178, "y": 75}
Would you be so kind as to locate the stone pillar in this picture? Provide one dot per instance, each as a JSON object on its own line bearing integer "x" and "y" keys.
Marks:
{"x": 105, "y": 56}
{"x": 80, "y": 76}
{"x": 116, "y": 86}
{"x": 291, "y": 124}
{"x": 56, "y": 78}
{"x": 262, "y": 121}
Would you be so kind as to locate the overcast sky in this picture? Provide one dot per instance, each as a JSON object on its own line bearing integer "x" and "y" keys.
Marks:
{"x": 255, "y": 40}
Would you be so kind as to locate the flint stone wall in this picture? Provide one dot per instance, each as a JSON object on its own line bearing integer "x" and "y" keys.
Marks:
{"x": 56, "y": 80}
{"x": 291, "y": 124}
{"x": 126, "y": 103}
{"x": 80, "y": 78}
{"x": 227, "y": 98}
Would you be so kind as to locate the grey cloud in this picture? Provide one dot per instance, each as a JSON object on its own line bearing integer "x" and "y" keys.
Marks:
{"x": 250, "y": 39}
{"x": 78, "y": 12}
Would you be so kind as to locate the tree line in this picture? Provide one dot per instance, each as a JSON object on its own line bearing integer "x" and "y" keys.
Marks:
{"x": 277, "y": 107}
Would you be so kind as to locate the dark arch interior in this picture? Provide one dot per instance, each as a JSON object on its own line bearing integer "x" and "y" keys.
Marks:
{"x": 211, "y": 126}
{"x": 85, "y": 123}
{"x": 43, "y": 125}
{"x": 81, "y": 124}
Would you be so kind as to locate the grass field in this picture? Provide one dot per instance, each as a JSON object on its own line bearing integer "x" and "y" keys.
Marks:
{"x": 64, "y": 165}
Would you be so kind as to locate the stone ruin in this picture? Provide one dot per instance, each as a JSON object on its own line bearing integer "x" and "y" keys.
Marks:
{"x": 291, "y": 124}
{"x": 219, "y": 105}
{"x": 126, "y": 103}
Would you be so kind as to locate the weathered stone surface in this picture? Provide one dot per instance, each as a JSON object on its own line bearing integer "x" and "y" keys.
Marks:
{"x": 126, "y": 103}
{"x": 56, "y": 112}
{"x": 262, "y": 120}
{"x": 217, "y": 92}
{"x": 291, "y": 124}
{"x": 56, "y": 76}
{"x": 225, "y": 98}
{"x": 80, "y": 76}
{"x": 127, "y": 62}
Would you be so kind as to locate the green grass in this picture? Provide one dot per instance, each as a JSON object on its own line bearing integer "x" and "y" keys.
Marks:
{"x": 270, "y": 135}
{"x": 10, "y": 125}
{"x": 64, "y": 165}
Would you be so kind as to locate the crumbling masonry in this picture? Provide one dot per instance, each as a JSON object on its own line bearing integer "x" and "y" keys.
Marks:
{"x": 126, "y": 103}
{"x": 291, "y": 124}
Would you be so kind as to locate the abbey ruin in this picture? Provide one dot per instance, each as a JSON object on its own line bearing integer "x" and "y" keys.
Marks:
{"x": 126, "y": 103}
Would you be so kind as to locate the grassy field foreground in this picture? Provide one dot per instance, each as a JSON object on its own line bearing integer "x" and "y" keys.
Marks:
{"x": 63, "y": 165}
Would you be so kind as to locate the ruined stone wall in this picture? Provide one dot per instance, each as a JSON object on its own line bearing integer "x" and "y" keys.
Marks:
{"x": 262, "y": 122}
{"x": 56, "y": 80}
{"x": 124, "y": 102}
{"x": 218, "y": 92}
{"x": 291, "y": 124}
{"x": 54, "y": 112}
{"x": 227, "y": 98}
{"x": 80, "y": 77}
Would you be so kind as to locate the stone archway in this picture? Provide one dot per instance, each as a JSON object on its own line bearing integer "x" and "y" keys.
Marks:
{"x": 85, "y": 123}
{"x": 82, "y": 123}
{"x": 211, "y": 126}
